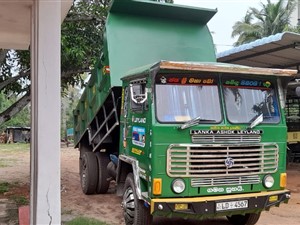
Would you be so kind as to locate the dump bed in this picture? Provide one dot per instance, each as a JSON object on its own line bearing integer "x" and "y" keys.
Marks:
{"x": 140, "y": 33}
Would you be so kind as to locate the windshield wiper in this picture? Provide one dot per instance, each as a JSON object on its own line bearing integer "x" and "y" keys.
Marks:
{"x": 194, "y": 122}
{"x": 256, "y": 120}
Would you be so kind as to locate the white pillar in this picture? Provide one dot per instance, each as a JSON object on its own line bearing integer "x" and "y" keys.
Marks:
{"x": 45, "y": 205}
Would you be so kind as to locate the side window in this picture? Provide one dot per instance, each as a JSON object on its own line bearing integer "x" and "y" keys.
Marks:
{"x": 138, "y": 96}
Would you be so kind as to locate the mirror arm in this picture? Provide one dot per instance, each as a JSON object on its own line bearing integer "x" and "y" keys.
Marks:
{"x": 144, "y": 96}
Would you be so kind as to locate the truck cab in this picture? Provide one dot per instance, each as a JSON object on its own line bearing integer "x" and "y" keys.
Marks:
{"x": 203, "y": 140}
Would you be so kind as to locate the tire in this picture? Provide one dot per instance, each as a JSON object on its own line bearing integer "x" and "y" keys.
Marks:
{"x": 247, "y": 219}
{"x": 135, "y": 212}
{"x": 82, "y": 149}
{"x": 89, "y": 173}
{"x": 103, "y": 182}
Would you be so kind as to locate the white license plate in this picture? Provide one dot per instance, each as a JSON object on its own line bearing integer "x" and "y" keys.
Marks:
{"x": 223, "y": 206}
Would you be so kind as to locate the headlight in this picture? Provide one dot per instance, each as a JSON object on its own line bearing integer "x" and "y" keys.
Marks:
{"x": 268, "y": 181}
{"x": 178, "y": 186}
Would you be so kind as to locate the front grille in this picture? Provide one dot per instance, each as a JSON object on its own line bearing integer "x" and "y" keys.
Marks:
{"x": 223, "y": 138}
{"x": 239, "y": 180}
{"x": 204, "y": 161}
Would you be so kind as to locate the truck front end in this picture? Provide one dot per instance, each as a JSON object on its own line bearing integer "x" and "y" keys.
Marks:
{"x": 218, "y": 141}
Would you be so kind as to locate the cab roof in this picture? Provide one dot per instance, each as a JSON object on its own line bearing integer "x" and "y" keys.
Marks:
{"x": 210, "y": 67}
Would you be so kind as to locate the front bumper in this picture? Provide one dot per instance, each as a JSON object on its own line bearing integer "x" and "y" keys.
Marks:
{"x": 205, "y": 207}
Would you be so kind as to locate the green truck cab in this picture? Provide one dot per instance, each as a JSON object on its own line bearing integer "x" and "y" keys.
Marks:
{"x": 180, "y": 136}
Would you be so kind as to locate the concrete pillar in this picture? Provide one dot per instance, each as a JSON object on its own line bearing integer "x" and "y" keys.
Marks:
{"x": 45, "y": 205}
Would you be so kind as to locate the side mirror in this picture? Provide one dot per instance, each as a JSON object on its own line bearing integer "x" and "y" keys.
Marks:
{"x": 138, "y": 94}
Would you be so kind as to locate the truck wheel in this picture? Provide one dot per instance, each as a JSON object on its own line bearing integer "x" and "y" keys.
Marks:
{"x": 103, "y": 183}
{"x": 82, "y": 149}
{"x": 248, "y": 219}
{"x": 135, "y": 212}
{"x": 89, "y": 173}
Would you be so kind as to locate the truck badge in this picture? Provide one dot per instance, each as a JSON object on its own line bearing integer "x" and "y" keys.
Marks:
{"x": 229, "y": 162}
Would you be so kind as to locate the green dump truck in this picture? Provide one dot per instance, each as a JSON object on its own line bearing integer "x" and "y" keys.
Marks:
{"x": 181, "y": 135}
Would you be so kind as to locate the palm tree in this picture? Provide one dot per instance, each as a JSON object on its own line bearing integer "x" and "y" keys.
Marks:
{"x": 246, "y": 30}
{"x": 271, "y": 19}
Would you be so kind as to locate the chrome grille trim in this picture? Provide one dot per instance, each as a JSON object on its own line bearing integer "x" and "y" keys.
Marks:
{"x": 221, "y": 138}
{"x": 202, "y": 182}
{"x": 195, "y": 160}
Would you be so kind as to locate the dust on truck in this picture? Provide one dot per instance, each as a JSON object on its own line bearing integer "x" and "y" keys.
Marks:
{"x": 180, "y": 137}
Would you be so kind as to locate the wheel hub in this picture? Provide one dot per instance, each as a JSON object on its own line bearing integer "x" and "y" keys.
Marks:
{"x": 128, "y": 206}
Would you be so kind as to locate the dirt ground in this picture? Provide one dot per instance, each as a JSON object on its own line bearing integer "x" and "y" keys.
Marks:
{"x": 107, "y": 207}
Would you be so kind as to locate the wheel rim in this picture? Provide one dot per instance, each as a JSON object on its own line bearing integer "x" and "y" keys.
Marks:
{"x": 83, "y": 174}
{"x": 128, "y": 206}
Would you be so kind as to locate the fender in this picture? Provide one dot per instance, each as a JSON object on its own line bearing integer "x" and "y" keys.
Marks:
{"x": 135, "y": 170}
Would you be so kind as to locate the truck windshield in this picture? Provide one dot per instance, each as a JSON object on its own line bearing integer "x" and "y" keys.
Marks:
{"x": 245, "y": 99}
{"x": 182, "y": 98}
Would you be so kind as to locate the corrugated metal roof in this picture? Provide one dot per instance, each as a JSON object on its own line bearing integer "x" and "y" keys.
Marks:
{"x": 277, "y": 51}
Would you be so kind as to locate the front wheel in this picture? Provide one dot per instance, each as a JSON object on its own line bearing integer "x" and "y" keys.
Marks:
{"x": 247, "y": 219}
{"x": 135, "y": 212}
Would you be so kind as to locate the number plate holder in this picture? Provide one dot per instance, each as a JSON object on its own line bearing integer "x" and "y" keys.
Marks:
{"x": 231, "y": 205}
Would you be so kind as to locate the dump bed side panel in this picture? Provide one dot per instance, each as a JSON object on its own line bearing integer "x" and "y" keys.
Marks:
{"x": 93, "y": 97}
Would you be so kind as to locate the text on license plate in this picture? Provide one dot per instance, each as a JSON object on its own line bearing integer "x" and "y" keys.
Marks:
{"x": 222, "y": 206}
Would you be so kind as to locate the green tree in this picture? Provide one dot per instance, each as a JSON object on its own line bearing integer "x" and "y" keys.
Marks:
{"x": 246, "y": 30}
{"x": 272, "y": 18}
{"x": 68, "y": 104}
{"x": 22, "y": 119}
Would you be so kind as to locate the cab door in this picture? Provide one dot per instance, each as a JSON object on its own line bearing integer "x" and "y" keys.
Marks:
{"x": 138, "y": 120}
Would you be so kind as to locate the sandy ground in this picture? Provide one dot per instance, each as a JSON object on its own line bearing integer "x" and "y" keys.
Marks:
{"x": 107, "y": 207}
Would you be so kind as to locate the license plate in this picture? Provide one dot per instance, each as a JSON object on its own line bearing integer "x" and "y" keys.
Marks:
{"x": 223, "y": 206}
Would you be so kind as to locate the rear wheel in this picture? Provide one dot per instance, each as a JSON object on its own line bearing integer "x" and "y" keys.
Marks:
{"x": 103, "y": 183}
{"x": 247, "y": 219}
{"x": 82, "y": 149}
{"x": 89, "y": 173}
{"x": 135, "y": 212}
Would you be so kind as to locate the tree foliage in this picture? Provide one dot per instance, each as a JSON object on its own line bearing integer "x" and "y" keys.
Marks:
{"x": 272, "y": 18}
{"x": 21, "y": 119}
{"x": 82, "y": 39}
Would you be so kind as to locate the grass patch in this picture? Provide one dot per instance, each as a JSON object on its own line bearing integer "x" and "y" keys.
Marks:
{"x": 20, "y": 200}
{"x": 85, "y": 221}
{"x": 4, "y": 187}
{"x": 16, "y": 192}
{"x": 16, "y": 147}
{"x": 7, "y": 162}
